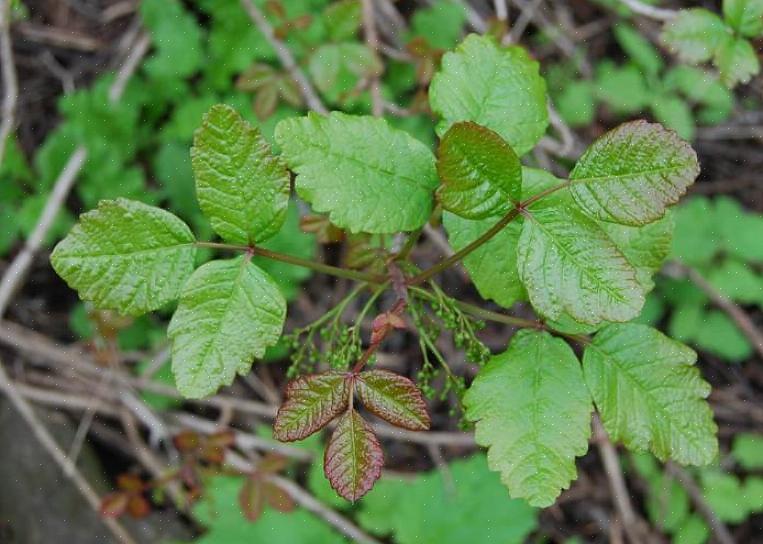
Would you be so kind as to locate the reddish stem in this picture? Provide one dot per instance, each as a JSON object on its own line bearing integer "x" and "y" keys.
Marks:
{"x": 397, "y": 309}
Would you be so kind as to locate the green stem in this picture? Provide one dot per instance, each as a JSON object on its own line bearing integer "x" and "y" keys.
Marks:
{"x": 453, "y": 259}
{"x": 535, "y": 198}
{"x": 290, "y": 259}
{"x": 495, "y": 229}
{"x": 410, "y": 242}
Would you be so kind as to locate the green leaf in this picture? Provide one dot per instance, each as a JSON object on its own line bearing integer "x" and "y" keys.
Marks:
{"x": 695, "y": 34}
{"x": 632, "y": 173}
{"x": 639, "y": 49}
{"x": 441, "y": 24}
{"x": 342, "y": 19}
{"x": 354, "y": 457}
{"x": 465, "y": 503}
{"x": 748, "y": 450}
{"x": 516, "y": 401}
{"x": 234, "y": 42}
{"x": 744, "y": 16}
{"x": 645, "y": 248}
{"x": 724, "y": 494}
{"x": 737, "y": 61}
{"x": 367, "y": 175}
{"x": 685, "y": 323}
{"x": 126, "y": 256}
{"x": 753, "y": 494}
{"x": 667, "y": 503}
{"x": 311, "y": 402}
{"x": 719, "y": 335}
{"x": 622, "y": 88}
{"x": 481, "y": 175}
{"x": 176, "y": 37}
{"x": 695, "y": 239}
{"x": 219, "y": 510}
{"x": 649, "y": 394}
{"x": 575, "y": 103}
{"x": 737, "y": 281}
{"x": 675, "y": 113}
{"x": 242, "y": 188}
{"x": 693, "y": 531}
{"x": 704, "y": 89}
{"x": 394, "y": 398}
{"x": 569, "y": 265}
{"x": 499, "y": 88}
{"x": 740, "y": 231}
{"x": 230, "y": 312}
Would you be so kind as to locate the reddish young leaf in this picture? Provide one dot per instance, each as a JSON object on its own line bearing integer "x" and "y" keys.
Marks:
{"x": 188, "y": 475}
{"x": 187, "y": 441}
{"x": 383, "y": 324}
{"x": 354, "y": 458}
{"x": 311, "y": 402}
{"x": 129, "y": 482}
{"x": 138, "y": 507}
{"x": 223, "y": 439}
{"x": 271, "y": 464}
{"x": 277, "y": 498}
{"x": 251, "y": 498}
{"x": 114, "y": 505}
{"x": 212, "y": 454}
{"x": 393, "y": 398}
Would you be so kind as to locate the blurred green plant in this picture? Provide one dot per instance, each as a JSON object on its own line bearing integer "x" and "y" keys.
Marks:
{"x": 698, "y": 35}
{"x": 679, "y": 97}
{"x": 721, "y": 241}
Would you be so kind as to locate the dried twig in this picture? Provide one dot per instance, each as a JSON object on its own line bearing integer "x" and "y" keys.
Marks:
{"x": 676, "y": 269}
{"x": 695, "y": 493}
{"x": 520, "y": 25}
{"x": 634, "y": 529}
{"x": 286, "y": 58}
{"x": 35, "y": 345}
{"x": 10, "y": 83}
{"x": 501, "y": 10}
{"x": 372, "y": 41}
{"x": 59, "y": 37}
{"x": 475, "y": 20}
{"x": 660, "y": 14}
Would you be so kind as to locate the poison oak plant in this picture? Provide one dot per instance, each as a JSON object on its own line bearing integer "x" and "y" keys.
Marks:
{"x": 581, "y": 250}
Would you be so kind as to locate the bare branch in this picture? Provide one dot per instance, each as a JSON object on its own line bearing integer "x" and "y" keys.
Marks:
{"x": 10, "y": 82}
{"x": 372, "y": 41}
{"x": 660, "y": 14}
{"x": 634, "y": 529}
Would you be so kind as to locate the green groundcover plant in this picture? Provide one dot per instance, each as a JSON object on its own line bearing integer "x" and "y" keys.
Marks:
{"x": 581, "y": 250}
